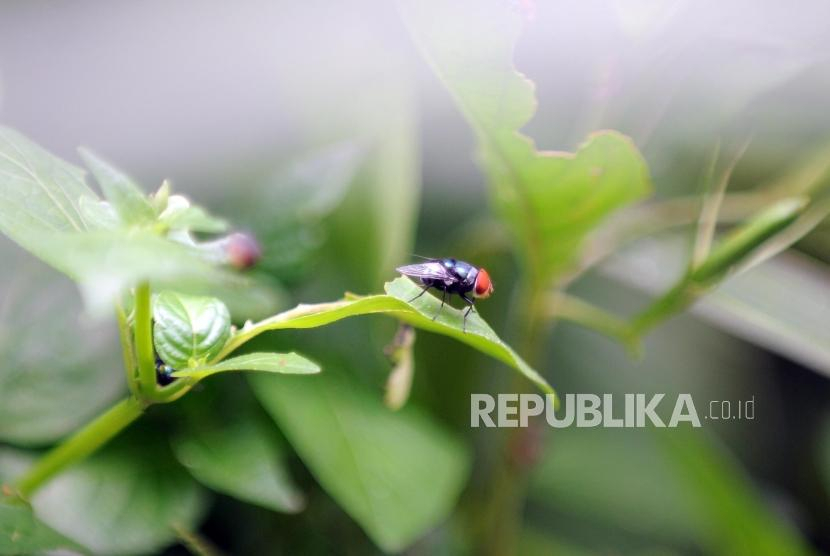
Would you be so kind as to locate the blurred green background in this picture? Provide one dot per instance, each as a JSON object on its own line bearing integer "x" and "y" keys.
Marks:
{"x": 319, "y": 127}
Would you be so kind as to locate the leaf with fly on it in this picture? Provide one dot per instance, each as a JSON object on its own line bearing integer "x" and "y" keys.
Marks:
{"x": 396, "y": 303}
{"x": 551, "y": 200}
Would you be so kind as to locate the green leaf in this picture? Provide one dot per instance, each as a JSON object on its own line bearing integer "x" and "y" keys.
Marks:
{"x": 22, "y": 533}
{"x": 179, "y": 214}
{"x": 418, "y": 313}
{"x": 125, "y": 499}
{"x": 129, "y": 201}
{"x": 240, "y": 458}
{"x": 189, "y": 329}
{"x": 99, "y": 215}
{"x": 38, "y": 192}
{"x": 397, "y": 474}
{"x": 285, "y": 363}
{"x": 551, "y": 200}
{"x": 106, "y": 263}
{"x": 57, "y": 371}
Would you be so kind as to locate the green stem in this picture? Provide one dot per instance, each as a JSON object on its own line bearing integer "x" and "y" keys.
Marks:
{"x": 126, "y": 348}
{"x": 80, "y": 445}
{"x": 570, "y": 308}
{"x": 144, "y": 342}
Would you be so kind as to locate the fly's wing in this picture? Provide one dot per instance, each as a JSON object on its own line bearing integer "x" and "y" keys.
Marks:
{"x": 432, "y": 269}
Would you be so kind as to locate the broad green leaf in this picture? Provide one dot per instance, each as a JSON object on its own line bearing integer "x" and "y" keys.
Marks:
{"x": 240, "y": 458}
{"x": 38, "y": 192}
{"x": 125, "y": 499}
{"x": 396, "y": 303}
{"x": 397, "y": 474}
{"x": 22, "y": 533}
{"x": 179, "y": 214}
{"x": 551, "y": 200}
{"x": 285, "y": 363}
{"x": 189, "y": 329}
{"x": 57, "y": 369}
{"x": 126, "y": 197}
{"x": 106, "y": 263}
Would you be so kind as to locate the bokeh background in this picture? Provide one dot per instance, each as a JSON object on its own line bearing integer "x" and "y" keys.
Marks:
{"x": 289, "y": 118}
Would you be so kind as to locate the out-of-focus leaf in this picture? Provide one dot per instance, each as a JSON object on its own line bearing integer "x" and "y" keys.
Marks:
{"x": 617, "y": 479}
{"x": 58, "y": 369}
{"x": 125, "y": 196}
{"x": 293, "y": 203}
{"x": 125, "y": 499}
{"x": 736, "y": 518}
{"x": 397, "y": 474}
{"x": 99, "y": 215}
{"x": 179, "y": 214}
{"x": 794, "y": 321}
{"x": 550, "y": 199}
{"x": 396, "y": 303}
{"x": 107, "y": 262}
{"x": 285, "y": 363}
{"x": 374, "y": 228}
{"x": 38, "y": 192}
{"x": 240, "y": 458}
{"x": 22, "y": 533}
{"x": 189, "y": 330}
{"x": 678, "y": 488}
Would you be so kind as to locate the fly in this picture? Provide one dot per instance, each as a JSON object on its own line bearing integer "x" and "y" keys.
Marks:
{"x": 451, "y": 276}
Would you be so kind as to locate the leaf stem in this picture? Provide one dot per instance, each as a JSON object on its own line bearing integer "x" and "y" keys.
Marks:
{"x": 81, "y": 444}
{"x": 567, "y": 307}
{"x": 144, "y": 341}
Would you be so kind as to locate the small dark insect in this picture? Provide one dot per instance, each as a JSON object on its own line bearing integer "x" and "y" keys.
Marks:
{"x": 451, "y": 276}
{"x": 164, "y": 373}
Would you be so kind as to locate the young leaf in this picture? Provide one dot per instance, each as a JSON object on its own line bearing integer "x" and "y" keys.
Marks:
{"x": 129, "y": 201}
{"x": 285, "y": 363}
{"x": 240, "y": 458}
{"x": 22, "y": 533}
{"x": 552, "y": 200}
{"x": 396, "y": 303}
{"x": 179, "y": 214}
{"x": 397, "y": 474}
{"x": 188, "y": 328}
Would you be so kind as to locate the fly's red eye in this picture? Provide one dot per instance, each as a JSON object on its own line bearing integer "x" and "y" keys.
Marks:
{"x": 484, "y": 287}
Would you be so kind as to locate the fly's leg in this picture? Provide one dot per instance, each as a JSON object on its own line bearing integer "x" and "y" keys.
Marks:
{"x": 472, "y": 303}
{"x": 443, "y": 299}
{"x": 423, "y": 291}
